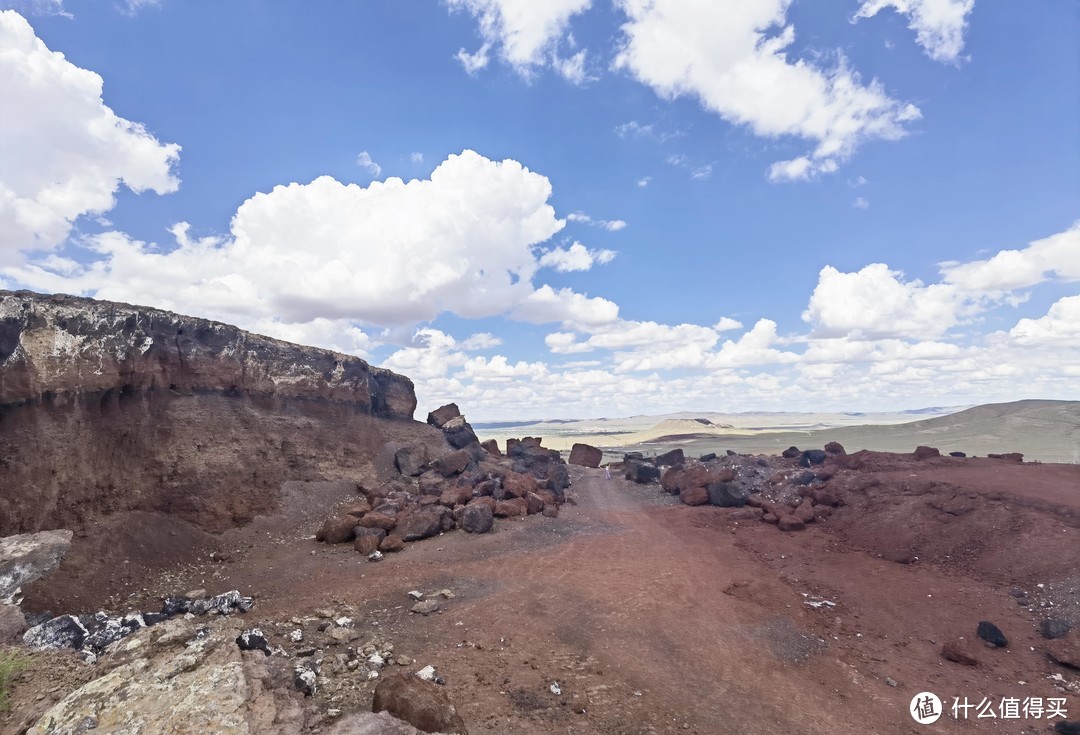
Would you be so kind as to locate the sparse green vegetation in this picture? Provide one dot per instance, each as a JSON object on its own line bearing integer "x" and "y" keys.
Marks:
{"x": 11, "y": 663}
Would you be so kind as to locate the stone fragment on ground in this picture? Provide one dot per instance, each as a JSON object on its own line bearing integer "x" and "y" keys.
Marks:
{"x": 958, "y": 652}
{"x": 991, "y": 634}
{"x": 422, "y": 704}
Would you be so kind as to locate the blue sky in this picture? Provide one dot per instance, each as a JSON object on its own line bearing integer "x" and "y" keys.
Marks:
{"x": 574, "y": 208}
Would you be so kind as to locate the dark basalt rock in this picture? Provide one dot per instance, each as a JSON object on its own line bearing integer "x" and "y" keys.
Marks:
{"x": 812, "y": 457}
{"x": 176, "y": 606}
{"x": 477, "y": 518}
{"x": 1053, "y": 628}
{"x": 223, "y": 604}
{"x": 790, "y": 453}
{"x": 66, "y": 631}
{"x": 674, "y": 458}
{"x": 992, "y": 634}
{"x": 253, "y": 640}
{"x": 640, "y": 472}
{"x": 728, "y": 494}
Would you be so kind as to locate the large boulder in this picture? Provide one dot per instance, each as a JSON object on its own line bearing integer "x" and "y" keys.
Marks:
{"x": 459, "y": 434}
{"x": 728, "y": 494}
{"x": 453, "y": 463}
{"x": 338, "y": 530}
{"x": 65, "y": 631}
{"x": 585, "y": 455}
{"x": 696, "y": 495}
{"x": 368, "y": 539}
{"x": 518, "y": 484}
{"x": 478, "y": 517}
{"x": 411, "y": 460}
{"x": 29, "y": 556}
{"x": 422, "y": 704}
{"x": 673, "y": 458}
{"x": 378, "y": 520}
{"x": 420, "y": 524}
{"x": 441, "y": 415}
{"x": 641, "y": 472}
{"x": 491, "y": 446}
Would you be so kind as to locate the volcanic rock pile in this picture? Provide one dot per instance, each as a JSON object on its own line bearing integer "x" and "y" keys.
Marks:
{"x": 466, "y": 487}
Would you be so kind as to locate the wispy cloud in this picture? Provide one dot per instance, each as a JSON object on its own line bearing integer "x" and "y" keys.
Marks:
{"x": 611, "y": 225}
{"x": 363, "y": 160}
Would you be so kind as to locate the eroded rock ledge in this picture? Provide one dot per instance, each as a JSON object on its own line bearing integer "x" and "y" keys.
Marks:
{"x": 65, "y": 345}
{"x": 107, "y": 408}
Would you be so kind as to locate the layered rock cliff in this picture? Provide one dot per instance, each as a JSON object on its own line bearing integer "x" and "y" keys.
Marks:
{"x": 107, "y": 408}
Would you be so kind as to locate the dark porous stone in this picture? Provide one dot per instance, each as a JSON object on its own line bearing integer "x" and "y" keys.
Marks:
{"x": 1052, "y": 628}
{"x": 790, "y": 453}
{"x": 812, "y": 457}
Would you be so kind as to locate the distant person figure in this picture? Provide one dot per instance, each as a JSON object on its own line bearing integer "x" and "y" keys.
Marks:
{"x": 607, "y": 473}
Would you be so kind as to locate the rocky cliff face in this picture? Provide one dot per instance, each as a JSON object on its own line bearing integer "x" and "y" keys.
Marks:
{"x": 107, "y": 408}
{"x": 67, "y": 346}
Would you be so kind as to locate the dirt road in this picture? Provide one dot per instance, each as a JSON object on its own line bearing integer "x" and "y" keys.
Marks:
{"x": 655, "y": 617}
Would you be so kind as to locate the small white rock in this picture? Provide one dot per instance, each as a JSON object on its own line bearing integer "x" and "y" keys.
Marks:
{"x": 375, "y": 556}
{"x": 297, "y": 635}
{"x": 416, "y": 595}
{"x": 343, "y": 622}
{"x": 555, "y": 688}
{"x": 427, "y": 673}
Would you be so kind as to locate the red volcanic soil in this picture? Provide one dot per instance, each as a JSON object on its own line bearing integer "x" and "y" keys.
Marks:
{"x": 656, "y": 617}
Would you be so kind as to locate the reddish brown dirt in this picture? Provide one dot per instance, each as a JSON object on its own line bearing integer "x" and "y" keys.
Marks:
{"x": 656, "y": 617}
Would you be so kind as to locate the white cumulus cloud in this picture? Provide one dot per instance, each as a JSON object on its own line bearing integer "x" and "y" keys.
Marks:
{"x": 733, "y": 57}
{"x": 525, "y": 34}
{"x": 938, "y": 24}
{"x": 65, "y": 153}
{"x": 392, "y": 253}
{"x": 575, "y": 258}
{"x": 877, "y": 302}
{"x": 1060, "y": 327}
{"x": 1057, "y": 255}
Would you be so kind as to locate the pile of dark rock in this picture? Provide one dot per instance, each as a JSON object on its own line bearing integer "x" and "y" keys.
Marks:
{"x": 467, "y": 487}
{"x": 92, "y": 634}
{"x": 791, "y": 490}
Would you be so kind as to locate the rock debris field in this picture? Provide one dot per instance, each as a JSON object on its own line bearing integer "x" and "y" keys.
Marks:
{"x": 816, "y": 592}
